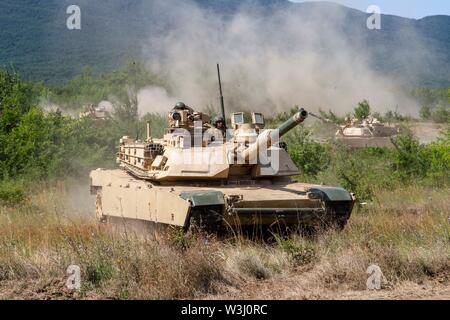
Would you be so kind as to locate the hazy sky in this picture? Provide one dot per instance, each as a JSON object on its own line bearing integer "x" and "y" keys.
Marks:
{"x": 405, "y": 8}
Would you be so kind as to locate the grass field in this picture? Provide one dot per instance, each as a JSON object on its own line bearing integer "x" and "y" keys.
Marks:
{"x": 406, "y": 233}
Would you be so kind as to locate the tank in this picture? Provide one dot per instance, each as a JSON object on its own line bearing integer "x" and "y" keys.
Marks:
{"x": 194, "y": 175}
{"x": 95, "y": 112}
{"x": 369, "y": 132}
{"x": 200, "y": 173}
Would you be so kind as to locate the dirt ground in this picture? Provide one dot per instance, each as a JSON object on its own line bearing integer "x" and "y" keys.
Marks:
{"x": 301, "y": 288}
{"x": 427, "y": 132}
{"x": 273, "y": 289}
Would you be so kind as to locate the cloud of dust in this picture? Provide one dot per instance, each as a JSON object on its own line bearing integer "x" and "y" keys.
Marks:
{"x": 106, "y": 105}
{"x": 50, "y": 107}
{"x": 269, "y": 62}
{"x": 153, "y": 99}
{"x": 76, "y": 200}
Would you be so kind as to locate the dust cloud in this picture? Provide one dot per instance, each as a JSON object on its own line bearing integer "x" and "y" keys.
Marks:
{"x": 76, "y": 200}
{"x": 50, "y": 107}
{"x": 153, "y": 99}
{"x": 270, "y": 62}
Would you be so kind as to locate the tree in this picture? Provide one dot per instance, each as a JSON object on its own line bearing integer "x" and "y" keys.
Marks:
{"x": 425, "y": 112}
{"x": 311, "y": 157}
{"x": 362, "y": 111}
{"x": 441, "y": 114}
{"x": 409, "y": 159}
{"x": 120, "y": 86}
{"x": 15, "y": 92}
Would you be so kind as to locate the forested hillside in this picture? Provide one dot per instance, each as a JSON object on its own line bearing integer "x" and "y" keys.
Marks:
{"x": 35, "y": 40}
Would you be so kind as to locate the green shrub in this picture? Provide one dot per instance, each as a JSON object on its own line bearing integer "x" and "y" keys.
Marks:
{"x": 352, "y": 175}
{"x": 360, "y": 171}
{"x": 86, "y": 88}
{"x": 438, "y": 158}
{"x": 409, "y": 159}
{"x": 441, "y": 114}
{"x": 99, "y": 272}
{"x": 11, "y": 192}
{"x": 425, "y": 112}
{"x": 309, "y": 156}
{"x": 302, "y": 251}
{"x": 362, "y": 111}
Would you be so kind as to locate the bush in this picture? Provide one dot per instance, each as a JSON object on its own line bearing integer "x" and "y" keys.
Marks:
{"x": 310, "y": 157}
{"x": 391, "y": 116}
{"x": 362, "y": 111}
{"x": 362, "y": 171}
{"x": 409, "y": 158}
{"x": 98, "y": 273}
{"x": 11, "y": 192}
{"x": 441, "y": 114}
{"x": 302, "y": 251}
{"x": 425, "y": 112}
{"x": 15, "y": 93}
{"x": 352, "y": 174}
{"x": 438, "y": 158}
{"x": 86, "y": 88}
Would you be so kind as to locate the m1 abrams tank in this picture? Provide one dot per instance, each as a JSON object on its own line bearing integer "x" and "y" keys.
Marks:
{"x": 366, "y": 133}
{"x": 195, "y": 175}
{"x": 95, "y": 112}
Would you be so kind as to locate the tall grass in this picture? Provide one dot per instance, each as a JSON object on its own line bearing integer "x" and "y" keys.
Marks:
{"x": 406, "y": 233}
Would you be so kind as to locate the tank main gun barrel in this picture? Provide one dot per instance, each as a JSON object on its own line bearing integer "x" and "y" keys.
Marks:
{"x": 292, "y": 122}
{"x": 267, "y": 138}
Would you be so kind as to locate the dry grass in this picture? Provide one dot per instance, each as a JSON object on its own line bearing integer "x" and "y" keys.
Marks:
{"x": 406, "y": 233}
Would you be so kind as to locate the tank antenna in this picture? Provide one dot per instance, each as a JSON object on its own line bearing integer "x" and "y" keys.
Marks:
{"x": 222, "y": 104}
{"x": 149, "y": 132}
{"x": 134, "y": 99}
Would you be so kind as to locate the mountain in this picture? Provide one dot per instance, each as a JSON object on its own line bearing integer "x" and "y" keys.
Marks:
{"x": 35, "y": 40}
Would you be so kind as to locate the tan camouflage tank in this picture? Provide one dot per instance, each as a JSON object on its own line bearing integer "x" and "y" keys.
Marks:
{"x": 95, "y": 112}
{"x": 367, "y": 133}
{"x": 243, "y": 180}
{"x": 196, "y": 175}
